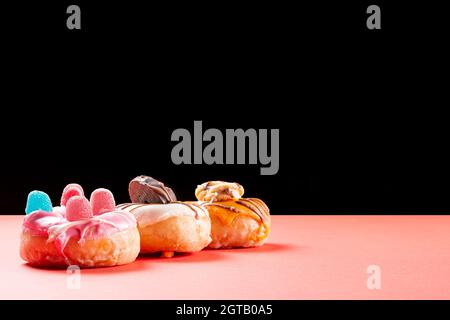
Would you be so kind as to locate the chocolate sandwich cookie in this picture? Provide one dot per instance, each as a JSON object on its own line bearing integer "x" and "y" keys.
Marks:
{"x": 145, "y": 189}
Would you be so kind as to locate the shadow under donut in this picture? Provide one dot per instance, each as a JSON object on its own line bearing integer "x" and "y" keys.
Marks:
{"x": 130, "y": 267}
{"x": 266, "y": 248}
{"x": 184, "y": 257}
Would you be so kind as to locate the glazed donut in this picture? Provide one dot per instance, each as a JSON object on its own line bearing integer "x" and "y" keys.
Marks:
{"x": 79, "y": 232}
{"x": 166, "y": 227}
{"x": 235, "y": 221}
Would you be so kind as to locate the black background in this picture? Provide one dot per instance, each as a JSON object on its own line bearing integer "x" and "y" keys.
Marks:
{"x": 281, "y": 308}
{"x": 362, "y": 113}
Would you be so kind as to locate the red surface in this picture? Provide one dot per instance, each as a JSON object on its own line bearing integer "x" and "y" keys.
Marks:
{"x": 306, "y": 257}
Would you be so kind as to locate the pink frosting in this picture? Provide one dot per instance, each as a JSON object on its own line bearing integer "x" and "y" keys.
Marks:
{"x": 58, "y": 229}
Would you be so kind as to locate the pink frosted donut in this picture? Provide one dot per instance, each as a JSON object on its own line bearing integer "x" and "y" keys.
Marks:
{"x": 106, "y": 239}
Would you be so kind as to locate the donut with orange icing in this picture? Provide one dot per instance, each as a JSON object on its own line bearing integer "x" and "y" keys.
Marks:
{"x": 79, "y": 232}
{"x": 235, "y": 221}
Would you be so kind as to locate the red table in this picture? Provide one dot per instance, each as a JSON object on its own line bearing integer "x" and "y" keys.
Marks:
{"x": 306, "y": 257}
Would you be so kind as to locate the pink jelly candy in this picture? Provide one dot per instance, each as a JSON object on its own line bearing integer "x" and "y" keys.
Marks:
{"x": 102, "y": 200}
{"x": 78, "y": 208}
{"x": 69, "y": 191}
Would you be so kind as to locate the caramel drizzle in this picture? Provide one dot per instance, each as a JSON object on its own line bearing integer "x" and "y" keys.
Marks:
{"x": 140, "y": 205}
{"x": 127, "y": 205}
{"x": 215, "y": 204}
{"x": 191, "y": 206}
{"x": 255, "y": 205}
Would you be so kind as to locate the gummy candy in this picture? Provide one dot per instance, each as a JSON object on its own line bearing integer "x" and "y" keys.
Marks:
{"x": 78, "y": 208}
{"x": 102, "y": 200}
{"x": 69, "y": 191}
{"x": 38, "y": 200}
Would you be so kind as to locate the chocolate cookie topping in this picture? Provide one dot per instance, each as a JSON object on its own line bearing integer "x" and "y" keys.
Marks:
{"x": 144, "y": 189}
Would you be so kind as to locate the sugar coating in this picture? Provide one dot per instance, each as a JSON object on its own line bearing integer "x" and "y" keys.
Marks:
{"x": 69, "y": 191}
{"x": 38, "y": 200}
{"x": 102, "y": 200}
{"x": 78, "y": 208}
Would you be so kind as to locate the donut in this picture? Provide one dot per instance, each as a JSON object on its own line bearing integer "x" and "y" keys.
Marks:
{"x": 79, "y": 232}
{"x": 235, "y": 221}
{"x": 167, "y": 226}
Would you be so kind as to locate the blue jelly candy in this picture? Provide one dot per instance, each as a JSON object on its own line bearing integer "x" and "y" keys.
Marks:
{"x": 38, "y": 200}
